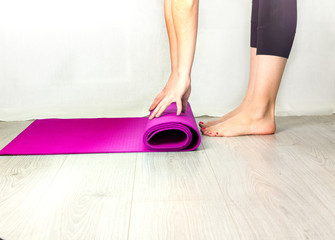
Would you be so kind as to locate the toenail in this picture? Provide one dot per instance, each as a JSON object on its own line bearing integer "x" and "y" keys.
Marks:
{"x": 201, "y": 122}
{"x": 203, "y": 128}
{"x": 217, "y": 133}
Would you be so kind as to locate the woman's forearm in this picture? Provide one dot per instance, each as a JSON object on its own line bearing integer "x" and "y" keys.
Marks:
{"x": 172, "y": 36}
{"x": 185, "y": 19}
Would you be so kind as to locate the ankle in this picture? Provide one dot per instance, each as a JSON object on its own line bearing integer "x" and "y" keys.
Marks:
{"x": 262, "y": 110}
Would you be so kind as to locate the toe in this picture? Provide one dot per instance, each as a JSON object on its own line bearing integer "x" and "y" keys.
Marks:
{"x": 217, "y": 130}
{"x": 203, "y": 130}
{"x": 208, "y": 131}
{"x": 204, "y": 125}
{"x": 209, "y": 124}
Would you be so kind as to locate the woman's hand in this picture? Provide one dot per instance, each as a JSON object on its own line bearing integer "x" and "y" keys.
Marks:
{"x": 177, "y": 89}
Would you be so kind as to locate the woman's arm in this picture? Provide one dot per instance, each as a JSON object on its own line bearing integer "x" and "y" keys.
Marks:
{"x": 182, "y": 23}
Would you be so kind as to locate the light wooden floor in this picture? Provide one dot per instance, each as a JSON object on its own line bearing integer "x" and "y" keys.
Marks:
{"x": 279, "y": 186}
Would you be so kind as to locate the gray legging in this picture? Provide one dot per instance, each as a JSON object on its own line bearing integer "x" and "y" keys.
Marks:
{"x": 273, "y": 25}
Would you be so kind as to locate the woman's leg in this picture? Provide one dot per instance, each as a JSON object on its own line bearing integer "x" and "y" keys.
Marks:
{"x": 252, "y": 71}
{"x": 251, "y": 85}
{"x": 275, "y": 33}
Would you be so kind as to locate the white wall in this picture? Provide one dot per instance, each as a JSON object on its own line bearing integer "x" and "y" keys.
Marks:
{"x": 108, "y": 58}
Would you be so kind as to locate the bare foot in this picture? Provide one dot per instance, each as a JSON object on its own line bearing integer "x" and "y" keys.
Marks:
{"x": 221, "y": 119}
{"x": 226, "y": 116}
{"x": 243, "y": 123}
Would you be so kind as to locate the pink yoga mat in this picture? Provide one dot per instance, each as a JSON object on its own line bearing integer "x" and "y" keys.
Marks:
{"x": 106, "y": 135}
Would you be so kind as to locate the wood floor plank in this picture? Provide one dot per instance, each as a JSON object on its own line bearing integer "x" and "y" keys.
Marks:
{"x": 175, "y": 176}
{"x": 182, "y": 220}
{"x": 23, "y": 182}
{"x": 90, "y": 198}
{"x": 269, "y": 187}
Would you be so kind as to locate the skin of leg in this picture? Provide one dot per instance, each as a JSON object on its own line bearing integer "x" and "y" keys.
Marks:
{"x": 257, "y": 115}
{"x": 182, "y": 37}
{"x": 251, "y": 85}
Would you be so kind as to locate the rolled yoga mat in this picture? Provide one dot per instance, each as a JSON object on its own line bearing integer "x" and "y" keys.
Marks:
{"x": 107, "y": 135}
